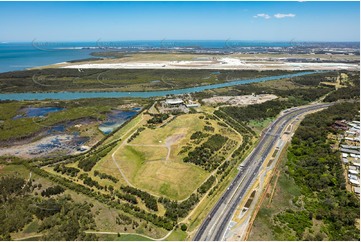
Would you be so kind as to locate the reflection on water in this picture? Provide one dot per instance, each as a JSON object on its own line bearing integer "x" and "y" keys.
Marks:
{"x": 37, "y": 112}
{"x": 116, "y": 118}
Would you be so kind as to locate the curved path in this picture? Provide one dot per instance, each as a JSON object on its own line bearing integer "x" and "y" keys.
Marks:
{"x": 141, "y": 235}
{"x": 120, "y": 146}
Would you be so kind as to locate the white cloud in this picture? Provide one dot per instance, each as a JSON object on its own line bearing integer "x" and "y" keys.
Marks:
{"x": 285, "y": 15}
{"x": 262, "y": 15}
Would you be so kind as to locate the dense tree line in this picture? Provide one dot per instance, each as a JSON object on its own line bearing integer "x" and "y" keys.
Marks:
{"x": 239, "y": 125}
{"x": 88, "y": 162}
{"x": 208, "y": 128}
{"x": 206, "y": 185}
{"x": 158, "y": 118}
{"x": 90, "y": 182}
{"x": 159, "y": 221}
{"x": 52, "y": 191}
{"x": 105, "y": 176}
{"x": 139, "y": 130}
{"x": 149, "y": 200}
{"x": 127, "y": 197}
{"x": 175, "y": 210}
{"x": 70, "y": 171}
{"x": 318, "y": 171}
{"x": 198, "y": 135}
{"x": 201, "y": 155}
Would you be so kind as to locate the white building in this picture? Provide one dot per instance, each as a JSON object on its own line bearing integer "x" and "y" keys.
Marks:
{"x": 175, "y": 101}
{"x": 353, "y": 172}
{"x": 355, "y": 182}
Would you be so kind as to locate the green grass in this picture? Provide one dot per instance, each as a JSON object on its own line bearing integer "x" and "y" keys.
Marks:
{"x": 122, "y": 237}
{"x": 32, "y": 227}
{"x": 259, "y": 125}
{"x": 146, "y": 167}
{"x": 177, "y": 235}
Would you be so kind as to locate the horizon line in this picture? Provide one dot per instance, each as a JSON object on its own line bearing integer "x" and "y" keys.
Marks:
{"x": 100, "y": 40}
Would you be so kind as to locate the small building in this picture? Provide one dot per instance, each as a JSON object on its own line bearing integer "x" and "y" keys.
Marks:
{"x": 357, "y": 165}
{"x": 351, "y": 132}
{"x": 352, "y": 147}
{"x": 349, "y": 151}
{"x": 353, "y": 172}
{"x": 357, "y": 126}
{"x": 344, "y": 155}
{"x": 352, "y": 168}
{"x": 174, "y": 102}
{"x": 352, "y": 176}
{"x": 192, "y": 105}
{"x": 345, "y": 160}
{"x": 355, "y": 182}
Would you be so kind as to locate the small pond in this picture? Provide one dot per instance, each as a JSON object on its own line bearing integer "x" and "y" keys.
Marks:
{"x": 116, "y": 118}
{"x": 37, "y": 112}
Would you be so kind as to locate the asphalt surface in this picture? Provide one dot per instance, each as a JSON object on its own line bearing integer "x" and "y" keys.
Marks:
{"x": 215, "y": 225}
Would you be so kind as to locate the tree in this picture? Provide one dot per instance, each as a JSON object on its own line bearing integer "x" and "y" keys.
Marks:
{"x": 183, "y": 227}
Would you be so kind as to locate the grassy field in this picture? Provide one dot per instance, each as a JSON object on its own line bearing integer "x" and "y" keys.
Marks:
{"x": 258, "y": 125}
{"x": 122, "y": 237}
{"x": 152, "y": 161}
{"x": 145, "y": 165}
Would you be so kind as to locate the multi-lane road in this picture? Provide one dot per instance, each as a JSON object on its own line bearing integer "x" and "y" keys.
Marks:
{"x": 215, "y": 225}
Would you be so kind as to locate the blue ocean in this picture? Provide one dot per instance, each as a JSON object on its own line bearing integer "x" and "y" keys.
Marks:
{"x": 19, "y": 56}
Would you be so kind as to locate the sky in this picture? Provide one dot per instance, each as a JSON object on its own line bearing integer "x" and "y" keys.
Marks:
{"x": 116, "y": 21}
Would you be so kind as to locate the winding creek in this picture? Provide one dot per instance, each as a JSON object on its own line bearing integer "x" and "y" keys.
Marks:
{"x": 79, "y": 95}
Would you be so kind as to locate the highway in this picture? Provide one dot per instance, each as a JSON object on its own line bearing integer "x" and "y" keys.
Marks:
{"x": 215, "y": 225}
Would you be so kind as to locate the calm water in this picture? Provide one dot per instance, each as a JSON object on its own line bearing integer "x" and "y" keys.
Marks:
{"x": 79, "y": 95}
{"x": 37, "y": 112}
{"x": 19, "y": 56}
{"x": 115, "y": 119}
